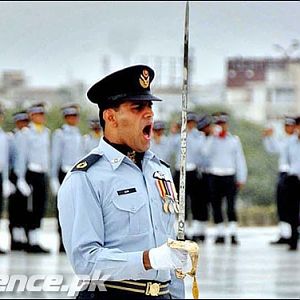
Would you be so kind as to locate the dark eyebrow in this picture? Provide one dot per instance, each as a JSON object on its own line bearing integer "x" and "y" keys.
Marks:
{"x": 143, "y": 103}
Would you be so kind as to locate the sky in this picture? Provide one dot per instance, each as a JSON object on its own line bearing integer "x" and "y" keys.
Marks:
{"x": 55, "y": 42}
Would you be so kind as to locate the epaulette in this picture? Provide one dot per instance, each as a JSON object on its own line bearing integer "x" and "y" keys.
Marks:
{"x": 86, "y": 163}
{"x": 164, "y": 163}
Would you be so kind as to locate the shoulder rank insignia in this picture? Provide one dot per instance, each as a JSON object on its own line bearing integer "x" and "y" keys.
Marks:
{"x": 164, "y": 163}
{"x": 86, "y": 163}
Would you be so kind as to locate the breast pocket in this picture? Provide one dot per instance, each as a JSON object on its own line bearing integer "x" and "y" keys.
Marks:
{"x": 132, "y": 209}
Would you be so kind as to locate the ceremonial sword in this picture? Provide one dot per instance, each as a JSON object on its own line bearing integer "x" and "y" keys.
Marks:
{"x": 191, "y": 247}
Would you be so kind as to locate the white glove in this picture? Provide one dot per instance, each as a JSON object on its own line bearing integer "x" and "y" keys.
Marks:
{"x": 54, "y": 185}
{"x": 23, "y": 187}
{"x": 187, "y": 267}
{"x": 8, "y": 188}
{"x": 165, "y": 258}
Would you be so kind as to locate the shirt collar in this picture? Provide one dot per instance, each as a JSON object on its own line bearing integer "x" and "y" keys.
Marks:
{"x": 36, "y": 127}
{"x": 70, "y": 128}
{"x": 116, "y": 158}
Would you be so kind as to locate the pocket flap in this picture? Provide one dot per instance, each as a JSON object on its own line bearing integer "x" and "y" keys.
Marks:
{"x": 130, "y": 202}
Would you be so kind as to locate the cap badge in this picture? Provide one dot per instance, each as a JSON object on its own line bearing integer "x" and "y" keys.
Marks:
{"x": 144, "y": 79}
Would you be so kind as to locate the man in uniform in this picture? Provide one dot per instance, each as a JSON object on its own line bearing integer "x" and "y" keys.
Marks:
{"x": 291, "y": 157}
{"x": 278, "y": 145}
{"x": 91, "y": 140}
{"x": 160, "y": 143}
{"x": 32, "y": 167}
{"x": 194, "y": 143}
{"x": 116, "y": 195}
{"x": 17, "y": 205}
{"x": 6, "y": 187}
{"x": 67, "y": 148}
{"x": 228, "y": 173}
{"x": 199, "y": 232}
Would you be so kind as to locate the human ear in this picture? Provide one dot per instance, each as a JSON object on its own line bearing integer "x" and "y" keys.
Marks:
{"x": 110, "y": 117}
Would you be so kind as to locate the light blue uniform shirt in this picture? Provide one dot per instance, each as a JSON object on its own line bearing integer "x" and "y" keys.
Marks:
{"x": 203, "y": 159}
{"x": 11, "y": 148}
{"x": 226, "y": 157}
{"x": 67, "y": 148}
{"x": 90, "y": 142}
{"x": 163, "y": 149}
{"x": 105, "y": 228}
{"x": 33, "y": 151}
{"x": 194, "y": 143}
{"x": 4, "y": 156}
{"x": 277, "y": 145}
{"x": 291, "y": 156}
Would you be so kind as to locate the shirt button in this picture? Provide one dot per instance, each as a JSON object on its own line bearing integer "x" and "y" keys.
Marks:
{"x": 133, "y": 208}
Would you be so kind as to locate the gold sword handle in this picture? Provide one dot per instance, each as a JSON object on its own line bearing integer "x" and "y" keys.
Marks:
{"x": 193, "y": 250}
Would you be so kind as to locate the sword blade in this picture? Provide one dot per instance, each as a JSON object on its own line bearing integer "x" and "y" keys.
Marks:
{"x": 182, "y": 180}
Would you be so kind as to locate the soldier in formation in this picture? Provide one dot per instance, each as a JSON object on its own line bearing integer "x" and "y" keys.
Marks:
{"x": 6, "y": 187}
{"x": 32, "y": 168}
{"x": 17, "y": 204}
{"x": 67, "y": 148}
{"x": 291, "y": 158}
{"x": 277, "y": 145}
{"x": 91, "y": 140}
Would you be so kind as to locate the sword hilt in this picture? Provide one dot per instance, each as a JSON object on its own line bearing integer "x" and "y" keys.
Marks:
{"x": 193, "y": 250}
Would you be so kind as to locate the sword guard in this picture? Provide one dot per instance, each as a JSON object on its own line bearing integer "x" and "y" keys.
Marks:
{"x": 193, "y": 250}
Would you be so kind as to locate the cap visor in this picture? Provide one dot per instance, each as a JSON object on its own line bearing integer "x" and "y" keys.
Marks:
{"x": 143, "y": 98}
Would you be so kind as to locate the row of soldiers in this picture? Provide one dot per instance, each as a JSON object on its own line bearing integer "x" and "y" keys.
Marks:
{"x": 216, "y": 170}
{"x": 288, "y": 184}
{"x": 30, "y": 159}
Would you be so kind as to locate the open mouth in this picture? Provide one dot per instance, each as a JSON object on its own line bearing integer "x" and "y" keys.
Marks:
{"x": 147, "y": 132}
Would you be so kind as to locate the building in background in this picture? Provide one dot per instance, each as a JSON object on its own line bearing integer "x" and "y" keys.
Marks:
{"x": 15, "y": 91}
{"x": 263, "y": 89}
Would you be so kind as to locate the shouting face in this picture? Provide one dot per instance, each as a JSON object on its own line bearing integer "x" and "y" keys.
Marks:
{"x": 130, "y": 124}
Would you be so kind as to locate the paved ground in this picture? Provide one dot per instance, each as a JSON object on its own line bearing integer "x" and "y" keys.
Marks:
{"x": 253, "y": 269}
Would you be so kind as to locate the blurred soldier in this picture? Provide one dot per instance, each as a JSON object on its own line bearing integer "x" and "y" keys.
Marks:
{"x": 6, "y": 187}
{"x": 17, "y": 205}
{"x": 67, "y": 148}
{"x": 160, "y": 142}
{"x": 119, "y": 223}
{"x": 277, "y": 145}
{"x": 291, "y": 157}
{"x": 32, "y": 167}
{"x": 194, "y": 143}
{"x": 174, "y": 138}
{"x": 91, "y": 140}
{"x": 228, "y": 173}
{"x": 199, "y": 235}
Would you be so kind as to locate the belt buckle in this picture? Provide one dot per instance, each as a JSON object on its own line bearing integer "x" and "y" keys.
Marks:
{"x": 152, "y": 289}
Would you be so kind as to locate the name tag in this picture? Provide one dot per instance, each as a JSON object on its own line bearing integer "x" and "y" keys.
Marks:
{"x": 127, "y": 191}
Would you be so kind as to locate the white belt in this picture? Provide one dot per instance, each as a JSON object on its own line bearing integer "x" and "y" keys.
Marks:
{"x": 283, "y": 168}
{"x": 66, "y": 168}
{"x": 222, "y": 171}
{"x": 190, "y": 167}
{"x": 204, "y": 170}
{"x": 36, "y": 168}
